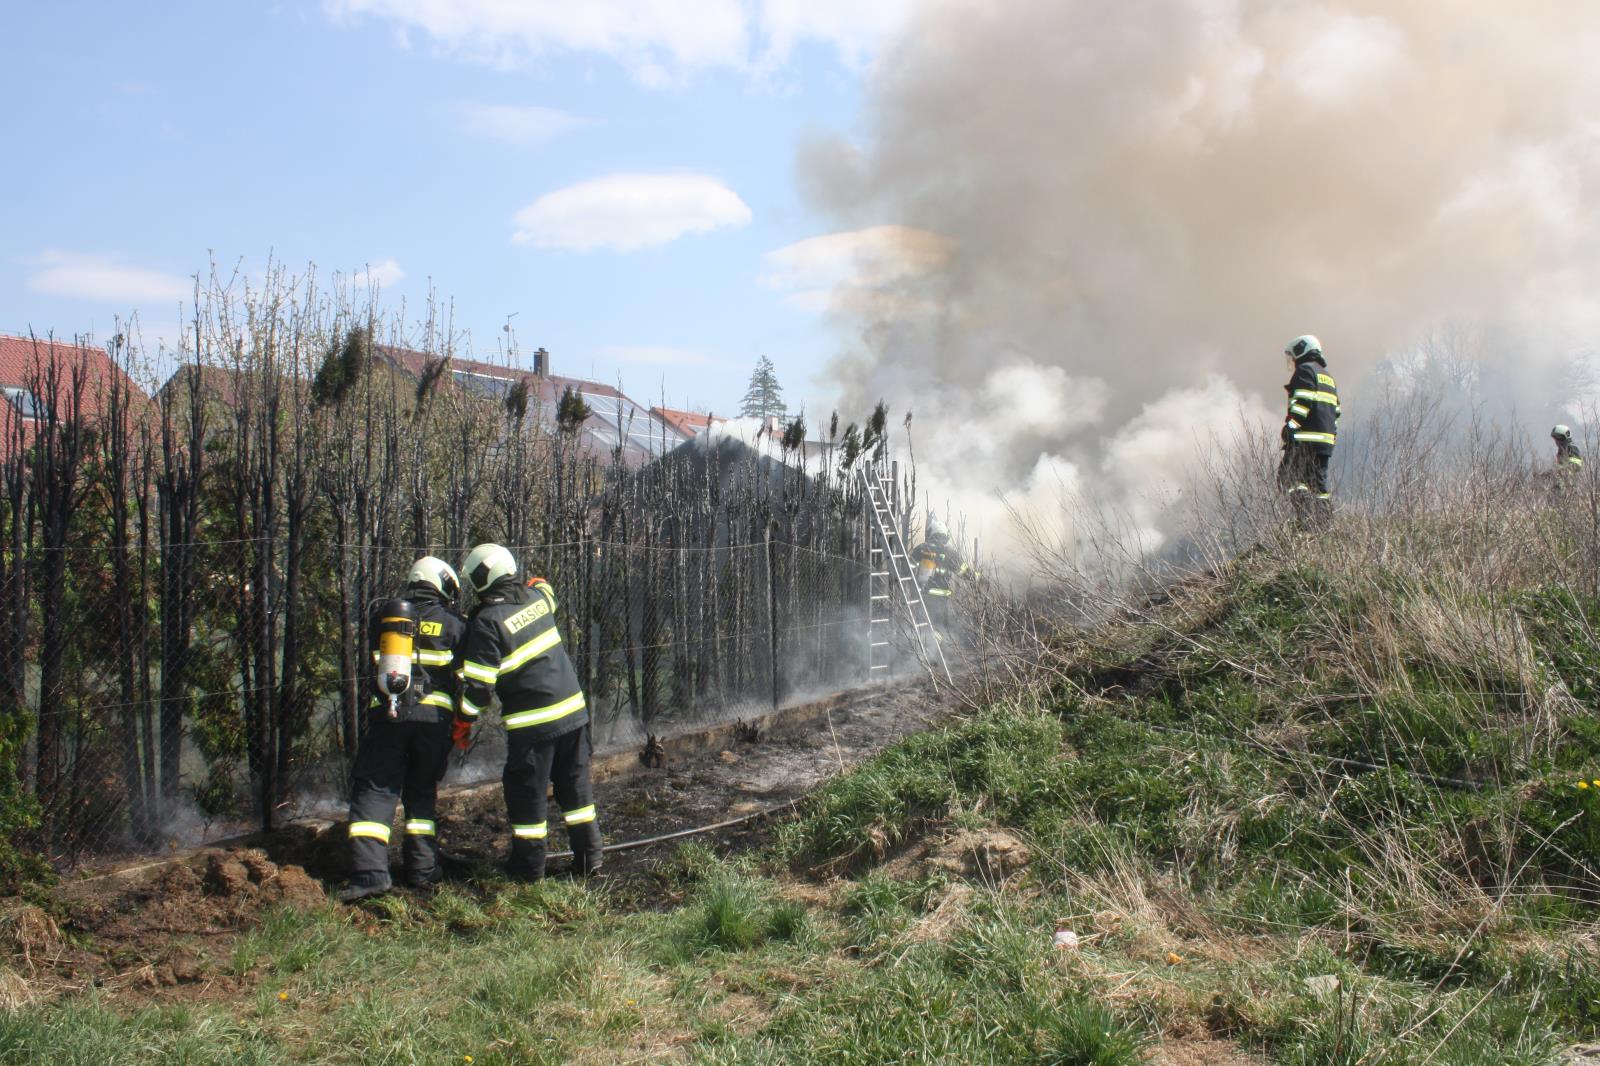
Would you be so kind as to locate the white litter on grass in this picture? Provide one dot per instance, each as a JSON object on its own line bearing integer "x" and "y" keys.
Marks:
{"x": 1322, "y": 985}
{"x": 1065, "y": 940}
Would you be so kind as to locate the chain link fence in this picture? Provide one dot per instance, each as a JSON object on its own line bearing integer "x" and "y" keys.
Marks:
{"x": 241, "y": 703}
{"x": 186, "y": 573}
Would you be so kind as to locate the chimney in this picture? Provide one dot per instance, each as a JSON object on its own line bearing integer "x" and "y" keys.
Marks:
{"x": 541, "y": 363}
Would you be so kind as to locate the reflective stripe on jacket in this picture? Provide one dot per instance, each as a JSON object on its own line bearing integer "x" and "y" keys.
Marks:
{"x": 1313, "y": 416}
{"x": 514, "y": 652}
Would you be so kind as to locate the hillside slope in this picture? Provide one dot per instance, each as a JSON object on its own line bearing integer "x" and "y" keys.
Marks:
{"x": 1320, "y": 807}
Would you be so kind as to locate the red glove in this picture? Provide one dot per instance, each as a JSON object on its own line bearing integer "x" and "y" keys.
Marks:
{"x": 540, "y": 585}
{"x": 461, "y": 734}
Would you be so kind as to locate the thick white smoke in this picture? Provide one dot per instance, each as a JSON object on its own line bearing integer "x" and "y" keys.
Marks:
{"x": 1085, "y": 230}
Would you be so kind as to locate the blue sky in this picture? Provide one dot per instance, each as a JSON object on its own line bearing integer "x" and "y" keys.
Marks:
{"x": 418, "y": 137}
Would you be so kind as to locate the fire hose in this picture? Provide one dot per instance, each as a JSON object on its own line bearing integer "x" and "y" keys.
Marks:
{"x": 629, "y": 845}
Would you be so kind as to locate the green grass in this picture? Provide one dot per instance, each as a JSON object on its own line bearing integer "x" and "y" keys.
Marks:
{"x": 1224, "y": 876}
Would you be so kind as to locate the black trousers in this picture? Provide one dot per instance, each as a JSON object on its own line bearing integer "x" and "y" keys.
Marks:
{"x": 1303, "y": 474}
{"x": 399, "y": 762}
{"x": 533, "y": 768}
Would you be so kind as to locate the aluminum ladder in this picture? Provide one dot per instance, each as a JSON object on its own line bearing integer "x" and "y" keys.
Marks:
{"x": 893, "y": 578}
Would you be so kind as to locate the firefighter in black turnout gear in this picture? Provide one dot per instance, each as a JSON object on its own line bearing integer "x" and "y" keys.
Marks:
{"x": 938, "y": 565}
{"x": 513, "y": 652}
{"x": 1569, "y": 460}
{"x": 1309, "y": 431}
{"x": 407, "y": 743}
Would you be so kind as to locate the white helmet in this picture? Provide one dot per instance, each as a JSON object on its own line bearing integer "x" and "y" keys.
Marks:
{"x": 429, "y": 570}
{"x": 1303, "y": 348}
{"x": 937, "y": 530}
{"x": 488, "y": 563}
{"x": 1561, "y": 432}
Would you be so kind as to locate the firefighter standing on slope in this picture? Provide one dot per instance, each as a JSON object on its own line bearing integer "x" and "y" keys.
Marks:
{"x": 513, "y": 652}
{"x": 1309, "y": 431}
{"x": 938, "y": 565}
{"x": 403, "y": 757}
{"x": 1568, "y": 459}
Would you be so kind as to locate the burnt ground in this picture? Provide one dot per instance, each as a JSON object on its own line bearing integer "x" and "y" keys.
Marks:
{"x": 747, "y": 775}
{"x": 168, "y": 929}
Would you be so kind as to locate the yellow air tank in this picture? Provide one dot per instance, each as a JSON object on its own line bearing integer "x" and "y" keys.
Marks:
{"x": 397, "y": 634}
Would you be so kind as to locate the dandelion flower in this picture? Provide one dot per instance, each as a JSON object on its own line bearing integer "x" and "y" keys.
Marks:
{"x": 1583, "y": 784}
{"x": 282, "y": 996}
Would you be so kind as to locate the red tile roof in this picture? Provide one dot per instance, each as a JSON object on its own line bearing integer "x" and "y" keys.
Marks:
{"x": 689, "y": 423}
{"x": 22, "y": 359}
{"x": 648, "y": 435}
{"x": 23, "y": 362}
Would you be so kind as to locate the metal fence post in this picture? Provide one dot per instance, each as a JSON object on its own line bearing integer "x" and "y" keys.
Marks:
{"x": 772, "y": 609}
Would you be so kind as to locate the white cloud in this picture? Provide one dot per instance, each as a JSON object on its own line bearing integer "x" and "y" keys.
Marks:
{"x": 649, "y": 36}
{"x": 517, "y": 125}
{"x": 857, "y": 30}
{"x": 866, "y": 269}
{"x": 656, "y": 39}
{"x": 383, "y": 273}
{"x": 93, "y": 276}
{"x": 626, "y": 212}
{"x": 878, "y": 255}
{"x": 653, "y": 355}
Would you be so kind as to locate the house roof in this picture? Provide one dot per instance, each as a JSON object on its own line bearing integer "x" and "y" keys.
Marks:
{"x": 24, "y": 359}
{"x": 218, "y": 383}
{"x": 613, "y": 416}
{"x": 21, "y": 358}
{"x": 689, "y": 423}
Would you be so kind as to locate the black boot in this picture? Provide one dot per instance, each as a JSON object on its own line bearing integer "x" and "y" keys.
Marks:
{"x": 424, "y": 880}
{"x": 587, "y": 858}
{"x": 527, "y": 861}
{"x": 363, "y": 886}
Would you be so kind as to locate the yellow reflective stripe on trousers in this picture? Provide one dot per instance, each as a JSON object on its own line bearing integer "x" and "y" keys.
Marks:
{"x": 537, "y": 646}
{"x": 530, "y": 832}
{"x": 434, "y": 658}
{"x": 1309, "y": 437}
{"x": 938, "y": 592}
{"x": 470, "y": 709}
{"x": 419, "y": 827}
{"x": 479, "y": 672}
{"x": 541, "y": 715}
{"x": 438, "y": 699}
{"x": 375, "y": 830}
{"x": 579, "y": 816}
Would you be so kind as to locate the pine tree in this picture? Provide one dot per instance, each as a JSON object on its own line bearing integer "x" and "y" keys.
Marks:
{"x": 764, "y": 398}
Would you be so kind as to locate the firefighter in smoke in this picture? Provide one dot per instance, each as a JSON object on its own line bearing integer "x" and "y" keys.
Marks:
{"x": 1309, "y": 431}
{"x": 513, "y": 652}
{"x": 938, "y": 565}
{"x": 1568, "y": 459}
{"x": 416, "y": 642}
